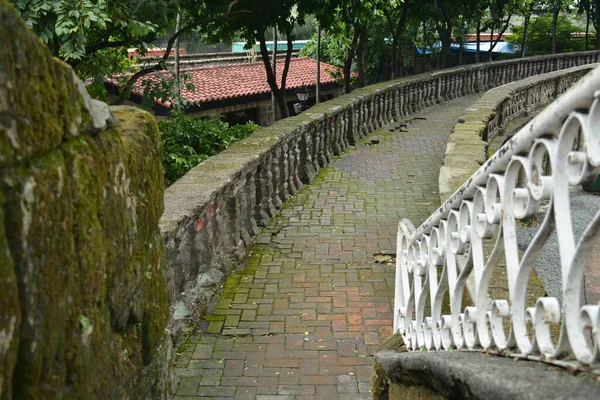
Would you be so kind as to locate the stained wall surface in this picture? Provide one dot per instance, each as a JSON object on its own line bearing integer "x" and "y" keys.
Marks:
{"x": 83, "y": 299}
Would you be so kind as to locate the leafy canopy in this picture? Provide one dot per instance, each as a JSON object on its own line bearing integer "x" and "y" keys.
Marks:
{"x": 538, "y": 35}
{"x": 74, "y": 29}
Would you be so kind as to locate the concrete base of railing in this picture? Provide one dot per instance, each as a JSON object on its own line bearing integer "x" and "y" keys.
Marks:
{"x": 473, "y": 375}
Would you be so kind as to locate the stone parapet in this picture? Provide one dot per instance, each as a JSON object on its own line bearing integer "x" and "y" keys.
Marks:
{"x": 494, "y": 117}
{"x": 83, "y": 299}
{"x": 215, "y": 210}
{"x": 472, "y": 375}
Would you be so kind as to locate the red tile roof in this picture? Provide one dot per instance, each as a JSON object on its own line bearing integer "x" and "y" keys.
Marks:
{"x": 240, "y": 80}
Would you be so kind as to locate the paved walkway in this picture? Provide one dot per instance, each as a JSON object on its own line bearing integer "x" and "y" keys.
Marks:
{"x": 303, "y": 317}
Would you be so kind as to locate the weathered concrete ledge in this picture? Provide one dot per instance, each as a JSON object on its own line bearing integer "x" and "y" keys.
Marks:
{"x": 473, "y": 375}
{"x": 496, "y": 115}
{"x": 215, "y": 210}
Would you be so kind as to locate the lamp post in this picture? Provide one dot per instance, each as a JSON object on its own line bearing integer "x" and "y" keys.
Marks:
{"x": 302, "y": 93}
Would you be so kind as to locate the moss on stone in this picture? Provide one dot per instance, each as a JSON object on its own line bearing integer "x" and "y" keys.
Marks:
{"x": 10, "y": 314}
{"x": 382, "y": 386}
{"x": 34, "y": 121}
{"x": 82, "y": 264}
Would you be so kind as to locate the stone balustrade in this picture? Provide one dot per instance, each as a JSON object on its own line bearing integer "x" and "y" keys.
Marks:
{"x": 214, "y": 211}
{"x": 490, "y": 120}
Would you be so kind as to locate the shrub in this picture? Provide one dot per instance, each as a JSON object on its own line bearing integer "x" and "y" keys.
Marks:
{"x": 187, "y": 141}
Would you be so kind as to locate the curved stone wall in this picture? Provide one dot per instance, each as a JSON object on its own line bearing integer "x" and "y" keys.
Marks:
{"x": 502, "y": 110}
{"x": 83, "y": 298}
{"x": 216, "y": 209}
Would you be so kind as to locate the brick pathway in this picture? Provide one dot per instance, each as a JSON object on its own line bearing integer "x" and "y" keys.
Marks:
{"x": 303, "y": 317}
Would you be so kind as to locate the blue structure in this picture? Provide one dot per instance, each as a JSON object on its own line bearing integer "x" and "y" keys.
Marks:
{"x": 238, "y": 47}
{"x": 501, "y": 47}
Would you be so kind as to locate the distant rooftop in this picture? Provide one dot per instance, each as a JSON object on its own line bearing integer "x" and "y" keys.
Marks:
{"x": 226, "y": 82}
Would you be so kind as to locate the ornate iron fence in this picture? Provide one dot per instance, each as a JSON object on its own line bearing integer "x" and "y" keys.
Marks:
{"x": 474, "y": 234}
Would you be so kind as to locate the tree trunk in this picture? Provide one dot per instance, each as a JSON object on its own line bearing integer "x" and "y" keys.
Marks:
{"x": 274, "y": 66}
{"x": 445, "y": 33}
{"x": 360, "y": 47}
{"x": 399, "y": 63}
{"x": 478, "y": 40}
{"x": 587, "y": 29}
{"x": 396, "y": 32}
{"x": 393, "y": 32}
{"x": 493, "y": 45}
{"x": 393, "y": 66}
{"x": 491, "y": 40}
{"x": 596, "y": 22}
{"x": 271, "y": 79}
{"x": 286, "y": 66}
{"x": 524, "y": 41}
{"x": 555, "y": 13}
{"x": 349, "y": 57}
{"x": 177, "y": 28}
{"x": 318, "y": 84}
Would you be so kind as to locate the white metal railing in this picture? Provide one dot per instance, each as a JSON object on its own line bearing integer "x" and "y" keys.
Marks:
{"x": 474, "y": 232}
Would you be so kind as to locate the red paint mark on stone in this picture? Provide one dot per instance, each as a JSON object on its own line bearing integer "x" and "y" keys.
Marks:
{"x": 211, "y": 211}
{"x": 200, "y": 224}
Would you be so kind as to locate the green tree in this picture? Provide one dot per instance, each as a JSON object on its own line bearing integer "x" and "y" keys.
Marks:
{"x": 540, "y": 30}
{"x": 443, "y": 16}
{"x": 396, "y": 13}
{"x": 501, "y": 12}
{"x": 251, "y": 19}
{"x": 351, "y": 19}
{"x": 592, "y": 10}
{"x": 93, "y": 35}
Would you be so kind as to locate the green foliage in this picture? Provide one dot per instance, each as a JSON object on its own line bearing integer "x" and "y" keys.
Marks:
{"x": 70, "y": 26}
{"x": 166, "y": 89}
{"x": 333, "y": 48}
{"x": 188, "y": 140}
{"x": 375, "y": 52}
{"x": 538, "y": 35}
{"x": 63, "y": 21}
{"x": 335, "y": 44}
{"x": 93, "y": 35}
{"x": 97, "y": 66}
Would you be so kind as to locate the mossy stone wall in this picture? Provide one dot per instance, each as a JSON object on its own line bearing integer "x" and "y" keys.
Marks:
{"x": 83, "y": 298}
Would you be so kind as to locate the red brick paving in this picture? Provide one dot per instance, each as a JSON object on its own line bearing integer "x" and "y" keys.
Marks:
{"x": 305, "y": 316}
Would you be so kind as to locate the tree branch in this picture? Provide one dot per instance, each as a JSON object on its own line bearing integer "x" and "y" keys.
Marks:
{"x": 288, "y": 57}
{"x": 161, "y": 64}
{"x": 492, "y": 46}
